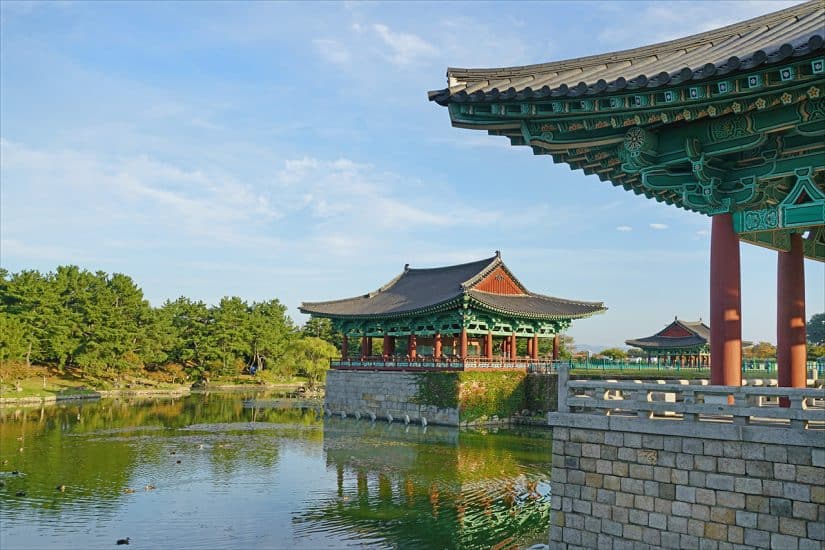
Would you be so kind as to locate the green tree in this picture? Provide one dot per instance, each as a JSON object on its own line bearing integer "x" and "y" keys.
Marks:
{"x": 310, "y": 357}
{"x": 614, "y": 354}
{"x": 320, "y": 327}
{"x": 816, "y": 329}
{"x": 270, "y": 331}
{"x": 761, "y": 350}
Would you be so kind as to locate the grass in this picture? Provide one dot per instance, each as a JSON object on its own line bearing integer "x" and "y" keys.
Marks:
{"x": 41, "y": 381}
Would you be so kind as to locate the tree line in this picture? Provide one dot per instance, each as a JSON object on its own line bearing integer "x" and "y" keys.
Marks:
{"x": 102, "y": 324}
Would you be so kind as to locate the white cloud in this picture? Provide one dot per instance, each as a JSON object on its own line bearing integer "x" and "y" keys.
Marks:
{"x": 404, "y": 48}
{"x": 333, "y": 51}
{"x": 624, "y": 228}
{"x": 658, "y": 226}
{"x": 703, "y": 233}
{"x": 671, "y": 20}
{"x": 124, "y": 196}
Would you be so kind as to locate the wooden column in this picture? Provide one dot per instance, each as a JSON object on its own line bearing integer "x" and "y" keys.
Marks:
{"x": 530, "y": 348}
{"x": 725, "y": 304}
{"x": 791, "y": 355}
{"x": 488, "y": 345}
{"x": 513, "y": 346}
{"x": 364, "y": 346}
{"x": 463, "y": 343}
{"x": 535, "y": 354}
{"x": 437, "y": 346}
{"x": 556, "y": 347}
{"x": 389, "y": 345}
{"x": 344, "y": 348}
{"x": 411, "y": 346}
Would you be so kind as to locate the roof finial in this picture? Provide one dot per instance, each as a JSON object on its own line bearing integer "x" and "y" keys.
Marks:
{"x": 406, "y": 267}
{"x": 498, "y": 253}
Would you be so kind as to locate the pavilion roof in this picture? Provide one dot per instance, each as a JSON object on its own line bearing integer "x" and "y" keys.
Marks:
{"x": 417, "y": 291}
{"x": 677, "y": 335}
{"x": 769, "y": 39}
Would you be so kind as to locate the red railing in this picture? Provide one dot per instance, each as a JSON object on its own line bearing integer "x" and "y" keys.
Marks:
{"x": 429, "y": 363}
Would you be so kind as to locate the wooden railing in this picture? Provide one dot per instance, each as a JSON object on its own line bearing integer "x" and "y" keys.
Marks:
{"x": 804, "y": 408}
{"x": 428, "y": 363}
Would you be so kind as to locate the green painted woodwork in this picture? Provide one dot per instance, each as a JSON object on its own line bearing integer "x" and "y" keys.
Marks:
{"x": 478, "y": 322}
{"x": 751, "y": 144}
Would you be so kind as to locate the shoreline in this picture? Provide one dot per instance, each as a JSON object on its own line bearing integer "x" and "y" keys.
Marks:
{"x": 34, "y": 400}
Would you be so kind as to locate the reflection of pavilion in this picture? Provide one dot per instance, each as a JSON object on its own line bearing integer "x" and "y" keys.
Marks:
{"x": 682, "y": 343}
{"x": 430, "y": 487}
{"x": 461, "y": 316}
{"x": 728, "y": 123}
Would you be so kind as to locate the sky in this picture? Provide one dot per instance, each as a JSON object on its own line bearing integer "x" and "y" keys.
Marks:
{"x": 288, "y": 150}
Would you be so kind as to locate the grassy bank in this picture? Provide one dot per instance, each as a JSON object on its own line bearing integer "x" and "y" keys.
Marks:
{"x": 23, "y": 384}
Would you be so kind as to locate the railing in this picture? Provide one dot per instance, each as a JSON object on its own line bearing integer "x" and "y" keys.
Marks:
{"x": 694, "y": 402}
{"x": 748, "y": 366}
{"x": 427, "y": 363}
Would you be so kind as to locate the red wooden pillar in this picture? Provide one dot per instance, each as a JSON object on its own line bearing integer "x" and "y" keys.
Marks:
{"x": 530, "y": 348}
{"x": 388, "y": 345}
{"x": 412, "y": 352}
{"x": 364, "y": 351}
{"x": 535, "y": 351}
{"x": 725, "y": 304}
{"x": 344, "y": 347}
{"x": 437, "y": 346}
{"x": 463, "y": 343}
{"x": 556, "y": 347}
{"x": 488, "y": 345}
{"x": 513, "y": 346}
{"x": 791, "y": 355}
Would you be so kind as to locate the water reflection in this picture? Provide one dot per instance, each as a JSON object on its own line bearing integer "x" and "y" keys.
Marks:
{"x": 235, "y": 470}
{"x": 433, "y": 487}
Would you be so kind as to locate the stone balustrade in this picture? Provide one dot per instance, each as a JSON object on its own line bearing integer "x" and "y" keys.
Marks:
{"x": 672, "y": 465}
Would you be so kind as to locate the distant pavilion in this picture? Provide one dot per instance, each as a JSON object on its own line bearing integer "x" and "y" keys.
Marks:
{"x": 682, "y": 343}
{"x": 467, "y": 315}
{"x": 728, "y": 123}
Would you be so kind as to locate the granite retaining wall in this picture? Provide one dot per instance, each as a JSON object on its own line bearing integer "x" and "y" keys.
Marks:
{"x": 383, "y": 394}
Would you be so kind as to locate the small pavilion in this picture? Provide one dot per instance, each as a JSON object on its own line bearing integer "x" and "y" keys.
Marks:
{"x": 682, "y": 343}
{"x": 728, "y": 123}
{"x": 467, "y": 315}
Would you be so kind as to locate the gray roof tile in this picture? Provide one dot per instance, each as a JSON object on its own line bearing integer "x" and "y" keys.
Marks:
{"x": 415, "y": 290}
{"x": 772, "y": 38}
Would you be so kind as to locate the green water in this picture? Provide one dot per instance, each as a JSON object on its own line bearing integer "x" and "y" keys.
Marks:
{"x": 252, "y": 471}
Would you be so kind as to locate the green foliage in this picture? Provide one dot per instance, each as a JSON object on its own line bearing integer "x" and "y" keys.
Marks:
{"x": 762, "y": 350}
{"x": 103, "y": 324}
{"x": 816, "y": 329}
{"x": 322, "y": 328}
{"x": 438, "y": 389}
{"x": 476, "y": 394}
{"x": 310, "y": 358}
{"x": 614, "y": 354}
{"x": 484, "y": 394}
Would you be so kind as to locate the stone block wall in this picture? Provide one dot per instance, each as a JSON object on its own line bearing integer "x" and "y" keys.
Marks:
{"x": 382, "y": 394}
{"x": 616, "y": 488}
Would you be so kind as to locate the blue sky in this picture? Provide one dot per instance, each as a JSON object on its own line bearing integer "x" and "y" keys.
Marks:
{"x": 288, "y": 150}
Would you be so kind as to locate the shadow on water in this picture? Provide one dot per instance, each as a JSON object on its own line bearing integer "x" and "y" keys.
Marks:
{"x": 260, "y": 471}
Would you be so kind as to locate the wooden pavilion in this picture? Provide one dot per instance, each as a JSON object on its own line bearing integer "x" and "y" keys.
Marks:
{"x": 682, "y": 343}
{"x": 729, "y": 123}
{"x": 461, "y": 316}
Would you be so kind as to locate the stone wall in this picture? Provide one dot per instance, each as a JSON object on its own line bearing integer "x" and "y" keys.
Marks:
{"x": 623, "y": 489}
{"x": 383, "y": 394}
{"x": 640, "y": 465}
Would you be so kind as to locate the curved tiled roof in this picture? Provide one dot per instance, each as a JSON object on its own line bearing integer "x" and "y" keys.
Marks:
{"x": 418, "y": 290}
{"x": 536, "y": 305}
{"x": 772, "y": 38}
{"x": 700, "y": 335}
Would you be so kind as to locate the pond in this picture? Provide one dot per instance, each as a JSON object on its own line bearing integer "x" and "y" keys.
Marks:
{"x": 231, "y": 470}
